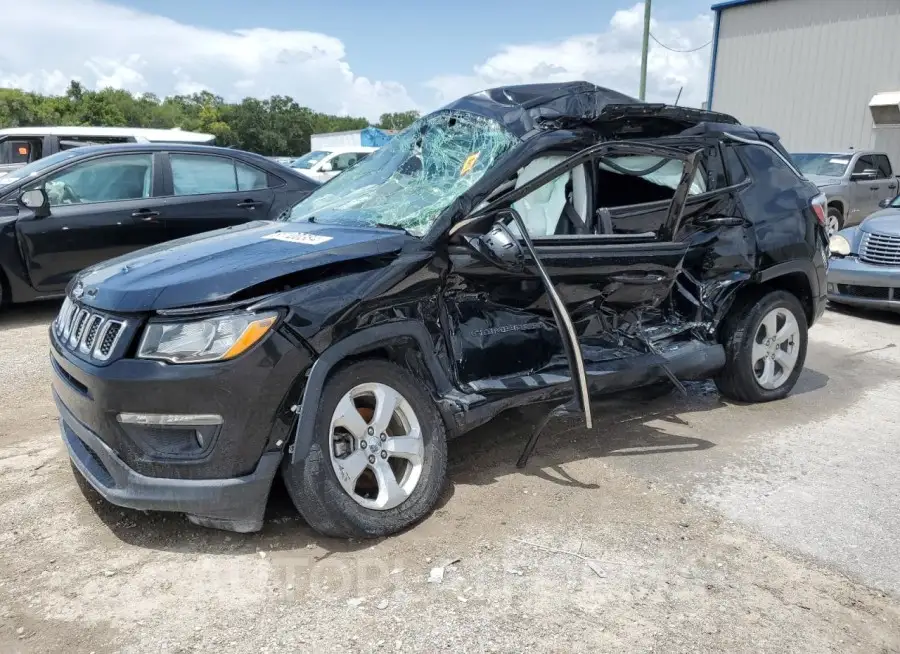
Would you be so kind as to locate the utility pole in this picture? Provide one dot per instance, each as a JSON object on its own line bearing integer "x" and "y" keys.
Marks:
{"x": 644, "y": 50}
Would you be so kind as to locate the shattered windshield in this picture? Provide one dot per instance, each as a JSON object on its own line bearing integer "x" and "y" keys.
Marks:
{"x": 408, "y": 182}
{"x": 819, "y": 163}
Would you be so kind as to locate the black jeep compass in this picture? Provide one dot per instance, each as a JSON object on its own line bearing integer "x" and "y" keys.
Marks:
{"x": 543, "y": 243}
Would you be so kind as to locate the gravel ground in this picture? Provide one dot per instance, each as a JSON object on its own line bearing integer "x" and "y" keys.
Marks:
{"x": 679, "y": 524}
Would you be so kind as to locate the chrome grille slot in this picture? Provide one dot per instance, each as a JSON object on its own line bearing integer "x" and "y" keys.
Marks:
{"x": 69, "y": 321}
{"x": 65, "y": 312}
{"x": 881, "y": 249}
{"x": 90, "y": 333}
{"x": 78, "y": 327}
{"x": 106, "y": 341}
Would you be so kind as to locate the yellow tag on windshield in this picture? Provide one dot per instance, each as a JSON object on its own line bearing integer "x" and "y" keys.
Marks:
{"x": 469, "y": 163}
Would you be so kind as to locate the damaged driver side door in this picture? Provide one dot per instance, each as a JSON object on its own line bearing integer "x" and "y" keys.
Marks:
{"x": 543, "y": 294}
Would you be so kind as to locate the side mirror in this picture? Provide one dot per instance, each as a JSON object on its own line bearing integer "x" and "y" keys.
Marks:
{"x": 327, "y": 167}
{"x": 866, "y": 175}
{"x": 886, "y": 202}
{"x": 36, "y": 199}
{"x": 498, "y": 246}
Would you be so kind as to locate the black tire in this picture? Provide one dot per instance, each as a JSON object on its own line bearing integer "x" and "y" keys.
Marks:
{"x": 313, "y": 484}
{"x": 835, "y": 214}
{"x": 737, "y": 380}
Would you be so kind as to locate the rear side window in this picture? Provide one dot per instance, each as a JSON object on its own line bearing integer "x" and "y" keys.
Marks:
{"x": 634, "y": 192}
{"x": 199, "y": 174}
{"x": 767, "y": 167}
{"x": 250, "y": 178}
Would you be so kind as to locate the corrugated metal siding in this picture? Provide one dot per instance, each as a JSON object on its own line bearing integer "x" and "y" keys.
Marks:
{"x": 808, "y": 68}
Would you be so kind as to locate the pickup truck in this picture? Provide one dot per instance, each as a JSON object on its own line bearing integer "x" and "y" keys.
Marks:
{"x": 856, "y": 183}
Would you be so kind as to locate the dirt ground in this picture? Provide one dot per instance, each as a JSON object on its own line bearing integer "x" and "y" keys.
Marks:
{"x": 676, "y": 525}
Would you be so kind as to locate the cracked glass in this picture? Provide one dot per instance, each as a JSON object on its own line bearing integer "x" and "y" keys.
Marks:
{"x": 408, "y": 182}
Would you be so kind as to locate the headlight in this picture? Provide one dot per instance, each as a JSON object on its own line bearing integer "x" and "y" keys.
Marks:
{"x": 213, "y": 339}
{"x": 839, "y": 245}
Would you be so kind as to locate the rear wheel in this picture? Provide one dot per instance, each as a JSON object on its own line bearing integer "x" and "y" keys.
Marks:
{"x": 835, "y": 221}
{"x": 765, "y": 345}
{"x": 378, "y": 459}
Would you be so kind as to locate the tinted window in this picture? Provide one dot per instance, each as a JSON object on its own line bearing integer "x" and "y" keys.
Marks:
{"x": 194, "y": 174}
{"x": 249, "y": 178}
{"x": 119, "y": 177}
{"x": 768, "y": 168}
{"x": 884, "y": 165}
{"x": 866, "y": 164}
{"x": 734, "y": 167}
{"x": 20, "y": 151}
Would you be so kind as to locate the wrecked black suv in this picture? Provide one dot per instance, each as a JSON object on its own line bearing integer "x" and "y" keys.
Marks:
{"x": 527, "y": 244}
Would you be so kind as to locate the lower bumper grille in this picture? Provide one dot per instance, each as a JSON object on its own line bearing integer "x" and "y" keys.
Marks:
{"x": 868, "y": 292}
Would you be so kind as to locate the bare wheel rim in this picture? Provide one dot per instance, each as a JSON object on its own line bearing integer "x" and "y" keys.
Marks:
{"x": 776, "y": 346}
{"x": 376, "y": 446}
{"x": 833, "y": 224}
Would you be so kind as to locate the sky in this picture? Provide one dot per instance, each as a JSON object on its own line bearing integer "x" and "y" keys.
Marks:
{"x": 355, "y": 57}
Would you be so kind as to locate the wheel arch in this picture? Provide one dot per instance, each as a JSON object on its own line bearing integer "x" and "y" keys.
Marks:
{"x": 796, "y": 277}
{"x": 406, "y": 343}
{"x": 839, "y": 204}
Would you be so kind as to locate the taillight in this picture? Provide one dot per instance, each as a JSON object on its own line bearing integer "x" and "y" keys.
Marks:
{"x": 820, "y": 206}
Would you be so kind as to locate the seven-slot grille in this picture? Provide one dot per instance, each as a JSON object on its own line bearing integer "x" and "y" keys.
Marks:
{"x": 91, "y": 334}
{"x": 881, "y": 249}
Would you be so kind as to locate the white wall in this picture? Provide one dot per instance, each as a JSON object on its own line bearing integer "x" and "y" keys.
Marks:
{"x": 808, "y": 68}
{"x": 335, "y": 140}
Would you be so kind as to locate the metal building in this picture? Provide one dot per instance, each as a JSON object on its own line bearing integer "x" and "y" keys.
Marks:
{"x": 824, "y": 74}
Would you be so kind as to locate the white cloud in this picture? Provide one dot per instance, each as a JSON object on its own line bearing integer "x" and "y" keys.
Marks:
{"x": 611, "y": 58}
{"x": 106, "y": 45}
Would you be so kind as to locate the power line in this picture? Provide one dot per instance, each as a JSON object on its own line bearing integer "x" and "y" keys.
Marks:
{"x": 675, "y": 50}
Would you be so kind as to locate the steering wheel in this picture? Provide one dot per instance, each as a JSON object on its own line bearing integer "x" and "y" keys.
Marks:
{"x": 68, "y": 195}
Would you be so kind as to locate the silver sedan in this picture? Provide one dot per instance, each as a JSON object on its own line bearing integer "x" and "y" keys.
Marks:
{"x": 864, "y": 268}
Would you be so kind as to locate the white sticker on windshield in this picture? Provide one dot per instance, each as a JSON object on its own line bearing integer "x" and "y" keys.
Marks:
{"x": 843, "y": 162}
{"x": 299, "y": 237}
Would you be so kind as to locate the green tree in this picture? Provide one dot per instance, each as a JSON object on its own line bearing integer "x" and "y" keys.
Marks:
{"x": 398, "y": 119}
{"x": 278, "y": 125}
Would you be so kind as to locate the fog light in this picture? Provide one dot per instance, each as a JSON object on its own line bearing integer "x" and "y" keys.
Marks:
{"x": 831, "y": 288}
{"x": 200, "y": 441}
{"x": 170, "y": 419}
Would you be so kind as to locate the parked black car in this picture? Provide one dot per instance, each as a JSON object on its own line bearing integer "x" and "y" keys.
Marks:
{"x": 76, "y": 208}
{"x": 526, "y": 244}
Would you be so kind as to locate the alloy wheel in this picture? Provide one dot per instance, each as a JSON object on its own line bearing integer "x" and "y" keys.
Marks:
{"x": 376, "y": 446}
{"x": 776, "y": 346}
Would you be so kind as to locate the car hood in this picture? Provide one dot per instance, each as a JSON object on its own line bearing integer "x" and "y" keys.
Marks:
{"x": 886, "y": 221}
{"x": 213, "y": 266}
{"x": 823, "y": 180}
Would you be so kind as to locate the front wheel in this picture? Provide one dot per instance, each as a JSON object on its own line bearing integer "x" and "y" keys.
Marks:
{"x": 765, "y": 345}
{"x": 835, "y": 221}
{"x": 378, "y": 460}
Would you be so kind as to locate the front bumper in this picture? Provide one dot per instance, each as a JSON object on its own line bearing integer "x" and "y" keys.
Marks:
{"x": 223, "y": 482}
{"x": 853, "y": 282}
{"x": 235, "y": 504}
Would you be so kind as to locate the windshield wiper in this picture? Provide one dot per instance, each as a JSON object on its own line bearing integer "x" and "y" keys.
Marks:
{"x": 395, "y": 227}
